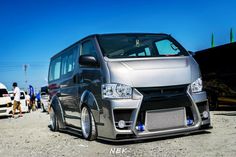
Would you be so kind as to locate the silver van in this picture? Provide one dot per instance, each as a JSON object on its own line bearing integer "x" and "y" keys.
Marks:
{"x": 125, "y": 87}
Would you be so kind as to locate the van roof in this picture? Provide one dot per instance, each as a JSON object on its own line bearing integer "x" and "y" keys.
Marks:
{"x": 2, "y": 86}
{"x": 95, "y": 35}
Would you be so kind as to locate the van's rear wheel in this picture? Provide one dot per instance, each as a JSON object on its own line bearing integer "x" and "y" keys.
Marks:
{"x": 53, "y": 120}
{"x": 89, "y": 130}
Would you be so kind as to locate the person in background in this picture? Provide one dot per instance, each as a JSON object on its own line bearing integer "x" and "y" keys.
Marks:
{"x": 16, "y": 104}
{"x": 38, "y": 98}
{"x": 27, "y": 100}
{"x": 32, "y": 98}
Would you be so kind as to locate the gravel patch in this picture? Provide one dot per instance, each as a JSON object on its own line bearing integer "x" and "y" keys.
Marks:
{"x": 30, "y": 136}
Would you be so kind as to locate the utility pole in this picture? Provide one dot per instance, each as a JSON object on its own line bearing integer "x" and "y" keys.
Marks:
{"x": 25, "y": 66}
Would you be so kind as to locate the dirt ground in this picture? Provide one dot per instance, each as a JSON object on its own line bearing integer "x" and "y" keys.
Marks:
{"x": 30, "y": 136}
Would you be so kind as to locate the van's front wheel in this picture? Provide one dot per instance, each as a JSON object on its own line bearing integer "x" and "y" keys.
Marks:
{"x": 88, "y": 125}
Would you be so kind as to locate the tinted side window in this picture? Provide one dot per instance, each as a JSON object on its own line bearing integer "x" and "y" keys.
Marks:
{"x": 22, "y": 95}
{"x": 88, "y": 49}
{"x": 55, "y": 69}
{"x": 3, "y": 92}
{"x": 68, "y": 61}
{"x": 71, "y": 61}
{"x": 64, "y": 65}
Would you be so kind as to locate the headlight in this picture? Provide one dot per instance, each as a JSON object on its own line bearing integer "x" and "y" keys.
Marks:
{"x": 196, "y": 86}
{"x": 116, "y": 91}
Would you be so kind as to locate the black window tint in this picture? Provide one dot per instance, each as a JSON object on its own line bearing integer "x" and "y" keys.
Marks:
{"x": 44, "y": 89}
{"x": 68, "y": 62}
{"x": 64, "y": 65}
{"x": 71, "y": 60}
{"x": 22, "y": 95}
{"x": 139, "y": 45}
{"x": 3, "y": 92}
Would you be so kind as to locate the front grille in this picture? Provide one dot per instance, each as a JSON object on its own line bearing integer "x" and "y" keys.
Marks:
{"x": 157, "y": 99}
{"x": 3, "y": 106}
{"x": 6, "y": 105}
{"x": 159, "y": 93}
{"x": 164, "y": 97}
{"x": 3, "y": 111}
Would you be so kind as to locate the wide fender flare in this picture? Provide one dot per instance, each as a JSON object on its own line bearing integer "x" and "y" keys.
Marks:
{"x": 87, "y": 98}
{"x": 56, "y": 105}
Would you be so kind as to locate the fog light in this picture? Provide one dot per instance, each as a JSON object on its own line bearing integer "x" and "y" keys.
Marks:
{"x": 140, "y": 127}
{"x": 189, "y": 121}
{"x": 205, "y": 114}
{"x": 121, "y": 124}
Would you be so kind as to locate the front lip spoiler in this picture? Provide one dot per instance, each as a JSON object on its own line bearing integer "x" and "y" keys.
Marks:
{"x": 201, "y": 130}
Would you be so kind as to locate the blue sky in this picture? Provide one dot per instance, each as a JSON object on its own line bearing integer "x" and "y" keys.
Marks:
{"x": 31, "y": 31}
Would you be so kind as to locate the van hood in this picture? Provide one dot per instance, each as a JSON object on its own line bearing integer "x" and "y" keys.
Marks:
{"x": 153, "y": 72}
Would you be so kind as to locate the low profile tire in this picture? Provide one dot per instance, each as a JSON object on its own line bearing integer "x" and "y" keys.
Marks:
{"x": 53, "y": 120}
{"x": 89, "y": 130}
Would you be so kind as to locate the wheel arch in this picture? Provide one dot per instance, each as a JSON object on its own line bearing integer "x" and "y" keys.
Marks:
{"x": 56, "y": 105}
{"x": 88, "y": 99}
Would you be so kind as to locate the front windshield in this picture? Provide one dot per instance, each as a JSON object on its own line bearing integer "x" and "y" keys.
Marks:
{"x": 133, "y": 46}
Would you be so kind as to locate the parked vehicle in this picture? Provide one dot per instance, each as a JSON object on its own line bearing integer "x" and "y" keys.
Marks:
{"x": 24, "y": 107}
{"x": 219, "y": 75}
{"x": 127, "y": 87}
{"x": 44, "y": 98}
{"x": 5, "y": 101}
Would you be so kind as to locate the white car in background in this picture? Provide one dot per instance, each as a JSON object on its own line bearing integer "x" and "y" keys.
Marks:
{"x": 5, "y": 101}
{"x": 44, "y": 98}
{"x": 24, "y": 107}
{"x": 44, "y": 101}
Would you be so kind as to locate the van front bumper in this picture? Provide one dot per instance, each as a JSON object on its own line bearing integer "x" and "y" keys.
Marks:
{"x": 128, "y": 111}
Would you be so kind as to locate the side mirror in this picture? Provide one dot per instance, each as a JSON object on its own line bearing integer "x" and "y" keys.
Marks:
{"x": 88, "y": 60}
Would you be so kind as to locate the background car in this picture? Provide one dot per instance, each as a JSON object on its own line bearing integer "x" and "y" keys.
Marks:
{"x": 5, "y": 101}
{"x": 44, "y": 98}
{"x": 24, "y": 107}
